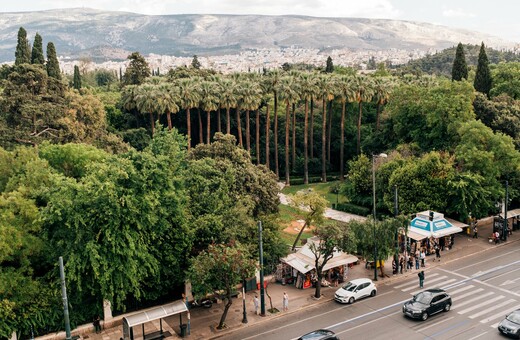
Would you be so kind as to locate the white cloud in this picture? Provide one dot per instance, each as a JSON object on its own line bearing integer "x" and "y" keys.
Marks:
{"x": 457, "y": 13}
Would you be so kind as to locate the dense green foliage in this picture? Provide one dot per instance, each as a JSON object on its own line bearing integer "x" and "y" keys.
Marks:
{"x": 37, "y": 51}
{"x": 483, "y": 76}
{"x": 460, "y": 67}
{"x": 23, "y": 49}
{"x": 137, "y": 70}
{"x": 76, "y": 82}
{"x": 53, "y": 66}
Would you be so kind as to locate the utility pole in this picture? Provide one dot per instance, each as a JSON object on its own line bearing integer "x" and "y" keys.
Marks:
{"x": 261, "y": 251}
{"x": 65, "y": 302}
{"x": 505, "y": 213}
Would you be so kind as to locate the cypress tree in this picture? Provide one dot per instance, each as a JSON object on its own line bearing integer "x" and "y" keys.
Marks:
{"x": 23, "y": 50}
{"x": 77, "y": 78}
{"x": 53, "y": 66}
{"x": 483, "y": 76}
{"x": 460, "y": 68}
{"x": 37, "y": 51}
{"x": 195, "y": 62}
{"x": 330, "y": 67}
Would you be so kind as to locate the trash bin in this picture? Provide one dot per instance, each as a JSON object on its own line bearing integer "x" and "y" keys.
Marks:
{"x": 183, "y": 330}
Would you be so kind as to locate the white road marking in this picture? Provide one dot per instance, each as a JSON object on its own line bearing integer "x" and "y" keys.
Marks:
{"x": 366, "y": 323}
{"x": 470, "y": 293}
{"x": 477, "y": 336}
{"x": 429, "y": 281}
{"x": 482, "y": 304}
{"x": 488, "y": 259}
{"x": 501, "y": 314}
{"x": 407, "y": 283}
{"x": 461, "y": 289}
{"x": 471, "y": 300}
{"x": 420, "y": 290}
{"x": 434, "y": 324}
{"x": 485, "y": 311}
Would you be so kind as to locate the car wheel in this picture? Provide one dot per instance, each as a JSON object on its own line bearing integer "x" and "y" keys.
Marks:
{"x": 424, "y": 316}
{"x": 373, "y": 293}
{"x": 447, "y": 307}
{"x": 351, "y": 300}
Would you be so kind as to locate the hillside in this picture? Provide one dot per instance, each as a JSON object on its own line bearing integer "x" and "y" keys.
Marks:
{"x": 112, "y": 35}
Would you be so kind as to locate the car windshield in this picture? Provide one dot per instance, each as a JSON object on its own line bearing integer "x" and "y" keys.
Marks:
{"x": 514, "y": 317}
{"x": 349, "y": 287}
{"x": 316, "y": 334}
{"x": 423, "y": 297}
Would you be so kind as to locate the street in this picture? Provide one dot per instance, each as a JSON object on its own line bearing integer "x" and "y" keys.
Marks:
{"x": 484, "y": 287}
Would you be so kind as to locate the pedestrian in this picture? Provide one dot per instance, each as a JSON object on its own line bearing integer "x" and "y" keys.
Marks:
{"x": 409, "y": 264}
{"x": 437, "y": 253}
{"x": 475, "y": 230}
{"x": 421, "y": 278}
{"x": 417, "y": 262}
{"x": 97, "y": 324}
{"x": 401, "y": 265}
{"x": 497, "y": 237}
{"x": 285, "y": 302}
{"x": 257, "y": 304}
{"x": 394, "y": 266}
{"x": 189, "y": 323}
{"x": 423, "y": 258}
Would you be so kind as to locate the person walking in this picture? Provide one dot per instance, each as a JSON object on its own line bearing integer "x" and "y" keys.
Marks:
{"x": 285, "y": 302}
{"x": 437, "y": 253}
{"x": 475, "y": 230}
{"x": 423, "y": 258}
{"x": 256, "y": 303}
{"x": 421, "y": 278}
{"x": 417, "y": 262}
{"x": 97, "y": 324}
{"x": 401, "y": 265}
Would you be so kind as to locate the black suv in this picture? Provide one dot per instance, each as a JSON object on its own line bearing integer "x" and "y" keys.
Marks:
{"x": 426, "y": 303}
{"x": 320, "y": 334}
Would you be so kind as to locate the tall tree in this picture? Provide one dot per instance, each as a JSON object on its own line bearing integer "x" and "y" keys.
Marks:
{"x": 289, "y": 95}
{"x": 364, "y": 93}
{"x": 23, "y": 50}
{"x": 460, "y": 68}
{"x": 53, "y": 66}
{"x": 308, "y": 89}
{"x": 483, "y": 78}
{"x": 195, "y": 62}
{"x": 169, "y": 100}
{"x": 325, "y": 85}
{"x": 146, "y": 102}
{"x": 251, "y": 99}
{"x": 330, "y": 66}
{"x": 209, "y": 100}
{"x": 189, "y": 99}
{"x": 37, "y": 51}
{"x": 137, "y": 71}
{"x": 76, "y": 82}
{"x": 274, "y": 80}
{"x": 346, "y": 94}
{"x": 381, "y": 96}
{"x": 228, "y": 99}
{"x": 312, "y": 205}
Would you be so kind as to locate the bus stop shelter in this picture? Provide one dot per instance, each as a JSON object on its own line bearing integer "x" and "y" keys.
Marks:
{"x": 156, "y": 313}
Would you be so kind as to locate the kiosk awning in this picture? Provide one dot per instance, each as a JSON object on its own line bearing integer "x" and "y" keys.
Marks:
{"x": 155, "y": 313}
{"x": 415, "y": 235}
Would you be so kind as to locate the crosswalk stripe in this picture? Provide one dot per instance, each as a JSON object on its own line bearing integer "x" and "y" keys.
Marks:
{"x": 495, "y": 325}
{"x": 482, "y": 304}
{"x": 420, "y": 290}
{"x": 461, "y": 289}
{"x": 407, "y": 283}
{"x": 485, "y": 311}
{"x": 470, "y": 293}
{"x": 426, "y": 282}
{"x": 501, "y": 314}
{"x": 471, "y": 300}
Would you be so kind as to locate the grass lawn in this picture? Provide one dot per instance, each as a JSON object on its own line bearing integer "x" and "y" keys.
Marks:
{"x": 321, "y": 188}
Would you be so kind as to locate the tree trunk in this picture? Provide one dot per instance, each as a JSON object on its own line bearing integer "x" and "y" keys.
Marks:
{"x": 342, "y": 144}
{"x": 324, "y": 143}
{"x": 277, "y": 168}
{"x": 169, "y": 118}
{"x": 359, "y": 128}
{"x": 267, "y": 128}
{"x": 257, "y": 136}
{"x": 311, "y": 128}
{"x": 219, "y": 123}
{"x": 248, "y": 133}
{"x": 188, "y": 127}
{"x": 305, "y": 146}
{"x": 228, "y": 124}
{"x": 377, "y": 114}
{"x": 317, "y": 292}
{"x": 239, "y": 127}
{"x": 298, "y": 237}
{"x": 152, "y": 123}
{"x": 329, "y": 130}
{"x": 293, "y": 151}
{"x": 208, "y": 127}
{"x": 287, "y": 125}
{"x": 221, "y": 324}
{"x": 201, "y": 133}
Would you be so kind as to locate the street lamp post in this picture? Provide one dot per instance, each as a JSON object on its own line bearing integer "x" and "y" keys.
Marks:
{"x": 504, "y": 232}
{"x": 384, "y": 155}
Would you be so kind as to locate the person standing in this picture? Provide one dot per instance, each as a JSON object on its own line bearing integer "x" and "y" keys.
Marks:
{"x": 285, "y": 302}
{"x": 417, "y": 262}
{"x": 475, "y": 230}
{"x": 437, "y": 253}
{"x": 421, "y": 278}
{"x": 423, "y": 258}
{"x": 97, "y": 324}
{"x": 256, "y": 303}
{"x": 401, "y": 265}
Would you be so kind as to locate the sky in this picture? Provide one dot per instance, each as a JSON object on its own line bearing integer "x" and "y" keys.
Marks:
{"x": 497, "y": 17}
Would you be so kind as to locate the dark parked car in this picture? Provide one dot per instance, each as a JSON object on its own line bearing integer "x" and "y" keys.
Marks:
{"x": 426, "y": 303}
{"x": 511, "y": 324}
{"x": 320, "y": 334}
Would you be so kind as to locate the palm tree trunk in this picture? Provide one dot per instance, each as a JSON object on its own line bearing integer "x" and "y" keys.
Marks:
{"x": 219, "y": 123}
{"x": 293, "y": 135}
{"x": 208, "y": 127}
{"x": 188, "y": 126}
{"x": 329, "y": 130}
{"x": 228, "y": 124}
{"x": 359, "y": 128}
{"x": 152, "y": 123}
{"x": 324, "y": 143}
{"x": 267, "y": 128}
{"x": 201, "y": 133}
{"x": 305, "y": 146}
{"x": 248, "y": 133}
{"x": 311, "y": 128}
{"x": 342, "y": 143}
{"x": 287, "y": 125}
{"x": 169, "y": 118}
{"x": 377, "y": 114}
{"x": 277, "y": 167}
{"x": 257, "y": 136}
{"x": 239, "y": 127}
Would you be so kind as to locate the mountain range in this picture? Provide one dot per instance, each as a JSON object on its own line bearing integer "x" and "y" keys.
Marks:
{"x": 104, "y": 35}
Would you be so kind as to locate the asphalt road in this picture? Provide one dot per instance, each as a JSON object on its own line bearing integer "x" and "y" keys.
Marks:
{"x": 484, "y": 287}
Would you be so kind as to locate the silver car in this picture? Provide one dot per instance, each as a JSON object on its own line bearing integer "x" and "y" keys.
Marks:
{"x": 511, "y": 324}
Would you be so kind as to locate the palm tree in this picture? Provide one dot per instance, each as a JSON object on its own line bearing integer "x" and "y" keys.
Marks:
{"x": 347, "y": 94}
{"x": 289, "y": 95}
{"x": 169, "y": 100}
{"x": 325, "y": 85}
{"x": 228, "y": 99}
{"x": 128, "y": 99}
{"x": 146, "y": 101}
{"x": 308, "y": 88}
{"x": 364, "y": 93}
{"x": 274, "y": 80}
{"x": 381, "y": 95}
{"x": 251, "y": 99}
{"x": 209, "y": 93}
{"x": 189, "y": 99}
